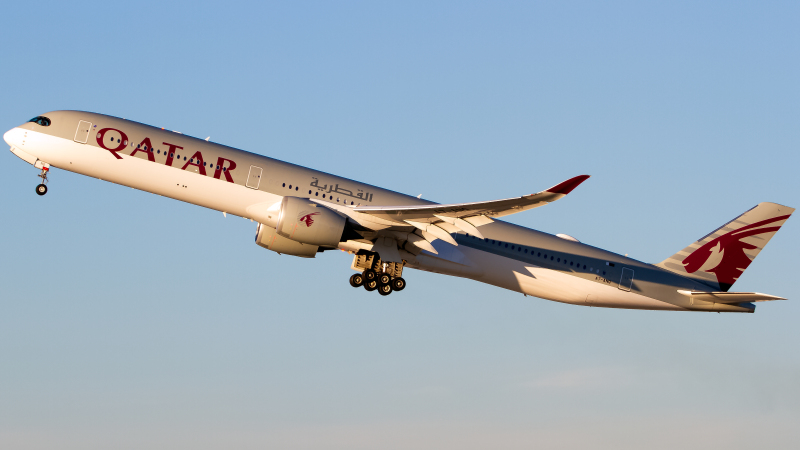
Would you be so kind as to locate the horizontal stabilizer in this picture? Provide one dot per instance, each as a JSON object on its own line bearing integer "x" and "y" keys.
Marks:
{"x": 730, "y": 297}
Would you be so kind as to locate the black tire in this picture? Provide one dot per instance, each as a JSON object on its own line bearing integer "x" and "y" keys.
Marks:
{"x": 356, "y": 280}
{"x": 384, "y": 278}
{"x": 385, "y": 289}
{"x": 398, "y": 284}
{"x": 369, "y": 274}
{"x": 371, "y": 285}
{"x": 41, "y": 189}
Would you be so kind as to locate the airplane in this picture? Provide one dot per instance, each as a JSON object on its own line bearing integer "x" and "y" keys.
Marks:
{"x": 303, "y": 212}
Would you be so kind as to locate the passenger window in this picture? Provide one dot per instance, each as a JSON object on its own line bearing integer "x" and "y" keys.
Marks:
{"x": 316, "y": 194}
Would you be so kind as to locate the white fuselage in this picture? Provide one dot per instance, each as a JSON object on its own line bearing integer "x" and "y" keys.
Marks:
{"x": 527, "y": 277}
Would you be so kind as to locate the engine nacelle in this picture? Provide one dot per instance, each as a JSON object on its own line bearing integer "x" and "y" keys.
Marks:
{"x": 268, "y": 238}
{"x": 305, "y": 221}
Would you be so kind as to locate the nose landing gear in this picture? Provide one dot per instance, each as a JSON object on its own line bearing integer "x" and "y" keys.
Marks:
{"x": 41, "y": 189}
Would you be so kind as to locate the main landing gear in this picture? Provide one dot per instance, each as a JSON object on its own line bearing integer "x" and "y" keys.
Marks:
{"x": 41, "y": 189}
{"x": 384, "y": 283}
{"x": 383, "y": 277}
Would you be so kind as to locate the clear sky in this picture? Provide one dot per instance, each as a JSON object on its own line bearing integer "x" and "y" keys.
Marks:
{"x": 132, "y": 321}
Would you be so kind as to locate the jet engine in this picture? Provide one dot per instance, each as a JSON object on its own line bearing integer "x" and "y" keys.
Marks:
{"x": 298, "y": 226}
{"x": 305, "y": 221}
{"x": 268, "y": 238}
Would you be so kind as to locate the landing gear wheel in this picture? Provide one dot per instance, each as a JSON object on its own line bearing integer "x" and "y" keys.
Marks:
{"x": 384, "y": 278}
{"x": 41, "y": 189}
{"x": 385, "y": 289}
{"x": 398, "y": 284}
{"x": 371, "y": 285}
{"x": 369, "y": 275}
{"x": 356, "y": 280}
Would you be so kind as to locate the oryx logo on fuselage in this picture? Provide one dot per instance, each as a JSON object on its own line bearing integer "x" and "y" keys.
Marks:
{"x": 731, "y": 248}
{"x": 307, "y": 218}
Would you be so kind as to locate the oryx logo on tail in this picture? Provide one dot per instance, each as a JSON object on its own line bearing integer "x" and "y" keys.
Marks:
{"x": 731, "y": 250}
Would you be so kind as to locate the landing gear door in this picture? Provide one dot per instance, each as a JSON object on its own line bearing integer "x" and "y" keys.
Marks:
{"x": 82, "y": 133}
{"x": 626, "y": 280}
{"x": 254, "y": 178}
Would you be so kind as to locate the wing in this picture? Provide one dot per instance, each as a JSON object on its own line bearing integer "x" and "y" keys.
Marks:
{"x": 441, "y": 220}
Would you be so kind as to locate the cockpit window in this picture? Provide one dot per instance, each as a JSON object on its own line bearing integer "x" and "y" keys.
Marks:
{"x": 41, "y": 120}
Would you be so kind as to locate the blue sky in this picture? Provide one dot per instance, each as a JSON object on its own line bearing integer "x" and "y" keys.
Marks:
{"x": 128, "y": 320}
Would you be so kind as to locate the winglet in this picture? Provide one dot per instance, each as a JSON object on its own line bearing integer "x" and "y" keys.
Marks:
{"x": 567, "y": 186}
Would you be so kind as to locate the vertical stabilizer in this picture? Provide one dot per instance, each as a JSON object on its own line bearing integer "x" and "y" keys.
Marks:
{"x": 719, "y": 258}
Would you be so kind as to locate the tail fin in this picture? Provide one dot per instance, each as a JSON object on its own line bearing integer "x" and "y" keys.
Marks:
{"x": 719, "y": 258}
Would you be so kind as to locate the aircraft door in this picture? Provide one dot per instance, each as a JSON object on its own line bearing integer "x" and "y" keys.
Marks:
{"x": 82, "y": 133}
{"x": 254, "y": 178}
{"x": 626, "y": 280}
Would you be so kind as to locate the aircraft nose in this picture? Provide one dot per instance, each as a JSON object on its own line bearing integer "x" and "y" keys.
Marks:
{"x": 11, "y": 137}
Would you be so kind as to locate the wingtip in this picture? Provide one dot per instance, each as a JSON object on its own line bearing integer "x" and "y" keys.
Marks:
{"x": 567, "y": 186}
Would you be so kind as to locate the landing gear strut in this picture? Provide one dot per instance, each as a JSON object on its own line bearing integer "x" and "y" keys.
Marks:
{"x": 377, "y": 275}
{"x": 41, "y": 189}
